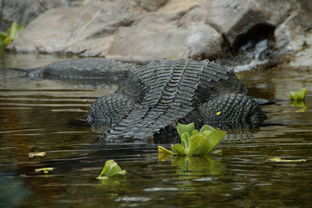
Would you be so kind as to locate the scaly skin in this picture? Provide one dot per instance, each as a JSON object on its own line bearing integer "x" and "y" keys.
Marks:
{"x": 83, "y": 69}
{"x": 164, "y": 92}
{"x": 152, "y": 98}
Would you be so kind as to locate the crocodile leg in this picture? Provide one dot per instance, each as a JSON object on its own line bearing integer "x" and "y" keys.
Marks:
{"x": 108, "y": 110}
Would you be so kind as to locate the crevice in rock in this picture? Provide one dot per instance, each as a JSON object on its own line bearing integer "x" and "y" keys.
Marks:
{"x": 253, "y": 36}
{"x": 251, "y": 50}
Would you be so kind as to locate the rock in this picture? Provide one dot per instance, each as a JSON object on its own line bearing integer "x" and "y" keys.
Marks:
{"x": 121, "y": 30}
{"x": 151, "y": 5}
{"x": 25, "y": 11}
{"x": 163, "y": 38}
{"x": 237, "y": 17}
{"x": 78, "y": 30}
{"x": 203, "y": 46}
{"x": 291, "y": 34}
{"x": 294, "y": 37}
{"x": 302, "y": 60}
{"x": 136, "y": 43}
{"x": 156, "y": 29}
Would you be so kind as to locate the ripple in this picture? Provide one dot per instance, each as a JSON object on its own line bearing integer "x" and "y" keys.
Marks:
{"x": 133, "y": 199}
{"x": 156, "y": 189}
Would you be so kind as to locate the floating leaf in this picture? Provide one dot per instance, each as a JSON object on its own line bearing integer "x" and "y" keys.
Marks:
{"x": 178, "y": 149}
{"x": 298, "y": 95}
{"x": 111, "y": 168}
{"x": 206, "y": 130}
{"x": 164, "y": 153}
{"x": 162, "y": 150}
{"x": 185, "y": 131}
{"x": 194, "y": 142}
{"x": 278, "y": 159}
{"x": 215, "y": 138}
{"x": 44, "y": 170}
{"x": 185, "y": 128}
{"x": 36, "y": 154}
{"x": 199, "y": 145}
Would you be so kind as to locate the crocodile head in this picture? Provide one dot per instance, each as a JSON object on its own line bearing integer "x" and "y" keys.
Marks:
{"x": 232, "y": 109}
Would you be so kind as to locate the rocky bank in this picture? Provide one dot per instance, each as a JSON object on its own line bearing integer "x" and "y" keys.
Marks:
{"x": 259, "y": 31}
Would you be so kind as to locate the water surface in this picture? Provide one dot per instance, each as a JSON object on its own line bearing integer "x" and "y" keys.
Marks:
{"x": 36, "y": 115}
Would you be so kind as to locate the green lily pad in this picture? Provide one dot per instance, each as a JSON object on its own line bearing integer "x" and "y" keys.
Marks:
{"x": 199, "y": 145}
{"x": 185, "y": 131}
{"x": 215, "y": 138}
{"x": 194, "y": 142}
{"x": 206, "y": 129}
{"x": 111, "y": 168}
{"x": 179, "y": 149}
{"x": 298, "y": 95}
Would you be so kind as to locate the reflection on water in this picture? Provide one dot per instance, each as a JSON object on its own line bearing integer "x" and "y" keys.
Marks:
{"x": 35, "y": 115}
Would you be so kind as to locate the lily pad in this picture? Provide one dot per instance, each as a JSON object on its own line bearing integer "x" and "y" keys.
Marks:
{"x": 111, "y": 168}
{"x": 194, "y": 142}
{"x": 199, "y": 145}
{"x": 298, "y": 95}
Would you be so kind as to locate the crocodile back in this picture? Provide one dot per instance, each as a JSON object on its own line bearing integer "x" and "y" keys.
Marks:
{"x": 172, "y": 89}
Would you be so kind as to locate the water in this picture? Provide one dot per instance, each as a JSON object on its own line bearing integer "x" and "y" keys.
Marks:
{"x": 35, "y": 117}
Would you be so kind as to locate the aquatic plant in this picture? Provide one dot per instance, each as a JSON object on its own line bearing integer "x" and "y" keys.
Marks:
{"x": 8, "y": 36}
{"x": 298, "y": 95}
{"x": 194, "y": 142}
{"x": 111, "y": 168}
{"x": 44, "y": 170}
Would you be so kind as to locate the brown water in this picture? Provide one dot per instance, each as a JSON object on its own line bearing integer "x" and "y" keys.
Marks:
{"x": 35, "y": 115}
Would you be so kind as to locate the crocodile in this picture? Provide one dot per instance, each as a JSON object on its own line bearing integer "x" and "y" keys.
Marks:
{"x": 157, "y": 95}
{"x": 82, "y": 69}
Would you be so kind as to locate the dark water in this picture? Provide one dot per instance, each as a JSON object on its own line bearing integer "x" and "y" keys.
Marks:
{"x": 35, "y": 117}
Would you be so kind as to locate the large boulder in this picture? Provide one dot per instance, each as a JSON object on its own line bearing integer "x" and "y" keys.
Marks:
{"x": 165, "y": 39}
{"x": 78, "y": 30}
{"x": 124, "y": 30}
{"x": 24, "y": 11}
{"x": 236, "y": 17}
{"x": 154, "y": 29}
